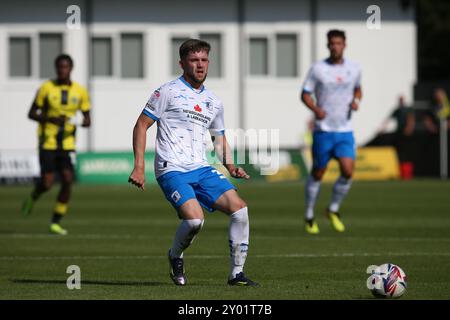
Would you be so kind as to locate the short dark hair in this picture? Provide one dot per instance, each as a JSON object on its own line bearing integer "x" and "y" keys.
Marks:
{"x": 193, "y": 45}
{"x": 335, "y": 33}
{"x": 62, "y": 57}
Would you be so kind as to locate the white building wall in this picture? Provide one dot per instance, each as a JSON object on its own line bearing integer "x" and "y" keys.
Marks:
{"x": 118, "y": 102}
{"x": 387, "y": 56}
{"x": 273, "y": 103}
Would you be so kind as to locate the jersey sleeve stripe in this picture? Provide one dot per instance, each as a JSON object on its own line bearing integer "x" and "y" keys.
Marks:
{"x": 216, "y": 132}
{"x": 148, "y": 114}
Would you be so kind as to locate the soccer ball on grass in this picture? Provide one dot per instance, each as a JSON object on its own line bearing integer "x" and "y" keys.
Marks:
{"x": 386, "y": 281}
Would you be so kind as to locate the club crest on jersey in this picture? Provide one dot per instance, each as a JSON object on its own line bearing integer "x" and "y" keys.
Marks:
{"x": 208, "y": 105}
{"x": 197, "y": 108}
{"x": 176, "y": 196}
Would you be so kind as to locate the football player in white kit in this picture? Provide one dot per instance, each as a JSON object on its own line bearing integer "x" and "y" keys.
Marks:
{"x": 336, "y": 84}
{"x": 184, "y": 111}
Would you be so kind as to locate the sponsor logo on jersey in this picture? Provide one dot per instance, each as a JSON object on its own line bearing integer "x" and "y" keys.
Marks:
{"x": 155, "y": 96}
{"x": 196, "y": 115}
{"x": 197, "y": 108}
{"x": 150, "y": 106}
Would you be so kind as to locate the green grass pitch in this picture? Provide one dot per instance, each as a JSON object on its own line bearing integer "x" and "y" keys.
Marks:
{"x": 119, "y": 237}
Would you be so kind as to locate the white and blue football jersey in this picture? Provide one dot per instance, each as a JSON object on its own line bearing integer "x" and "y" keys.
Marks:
{"x": 333, "y": 86}
{"x": 183, "y": 115}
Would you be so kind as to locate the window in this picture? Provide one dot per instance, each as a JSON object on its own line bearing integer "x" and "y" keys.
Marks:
{"x": 101, "y": 58}
{"x": 176, "y": 43}
{"x": 258, "y": 56}
{"x": 50, "y": 46}
{"x": 132, "y": 56}
{"x": 286, "y": 55}
{"x": 215, "y": 54}
{"x": 275, "y": 55}
{"x": 20, "y": 57}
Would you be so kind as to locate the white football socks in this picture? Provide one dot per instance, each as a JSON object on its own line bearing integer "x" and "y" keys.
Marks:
{"x": 186, "y": 232}
{"x": 312, "y": 189}
{"x": 340, "y": 190}
{"x": 238, "y": 234}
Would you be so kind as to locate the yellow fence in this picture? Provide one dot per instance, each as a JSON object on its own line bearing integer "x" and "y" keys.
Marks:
{"x": 372, "y": 163}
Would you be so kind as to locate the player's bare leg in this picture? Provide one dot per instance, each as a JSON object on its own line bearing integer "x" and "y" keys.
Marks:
{"x": 62, "y": 201}
{"x": 340, "y": 190}
{"x": 43, "y": 185}
{"x": 192, "y": 217}
{"x": 231, "y": 204}
{"x": 346, "y": 165}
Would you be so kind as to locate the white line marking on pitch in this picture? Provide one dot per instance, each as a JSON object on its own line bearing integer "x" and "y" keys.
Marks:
{"x": 143, "y": 237}
{"x": 293, "y": 255}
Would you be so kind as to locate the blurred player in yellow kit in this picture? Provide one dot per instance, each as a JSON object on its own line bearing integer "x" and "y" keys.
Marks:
{"x": 55, "y": 106}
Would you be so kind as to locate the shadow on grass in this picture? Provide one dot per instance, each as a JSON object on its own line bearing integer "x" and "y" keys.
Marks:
{"x": 94, "y": 282}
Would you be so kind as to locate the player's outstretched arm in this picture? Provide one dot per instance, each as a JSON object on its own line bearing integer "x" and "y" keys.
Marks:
{"x": 137, "y": 176}
{"x": 35, "y": 113}
{"x": 357, "y": 95}
{"x": 223, "y": 152}
{"x": 311, "y": 105}
{"x": 354, "y": 105}
{"x": 86, "y": 119}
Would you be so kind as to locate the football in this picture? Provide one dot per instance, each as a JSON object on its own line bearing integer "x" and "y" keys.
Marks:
{"x": 386, "y": 281}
